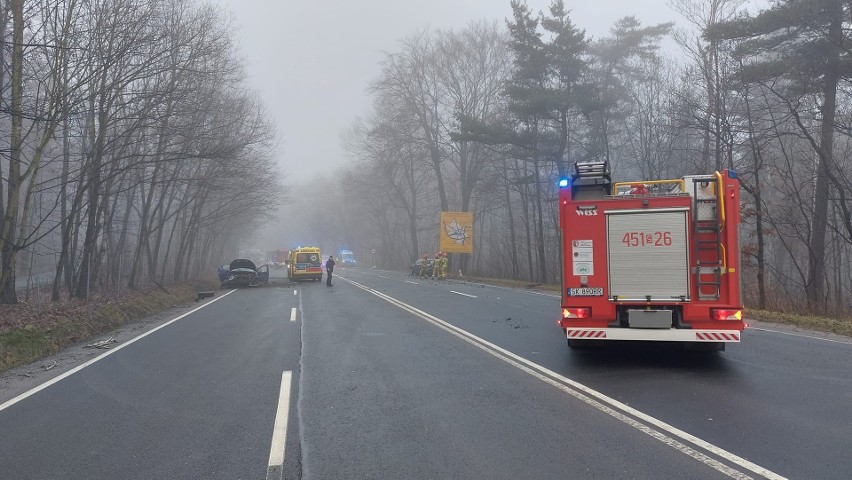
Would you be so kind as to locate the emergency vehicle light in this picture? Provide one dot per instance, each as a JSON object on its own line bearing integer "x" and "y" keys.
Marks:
{"x": 576, "y": 312}
{"x": 720, "y": 314}
{"x": 563, "y": 182}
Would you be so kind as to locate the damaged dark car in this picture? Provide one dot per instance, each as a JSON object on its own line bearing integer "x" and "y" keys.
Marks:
{"x": 242, "y": 272}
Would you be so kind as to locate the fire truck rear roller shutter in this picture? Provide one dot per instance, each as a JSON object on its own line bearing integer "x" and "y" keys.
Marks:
{"x": 658, "y": 269}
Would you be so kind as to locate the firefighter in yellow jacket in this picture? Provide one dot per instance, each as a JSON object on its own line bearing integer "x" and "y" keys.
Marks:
{"x": 424, "y": 264}
{"x": 444, "y": 264}
{"x": 436, "y": 266}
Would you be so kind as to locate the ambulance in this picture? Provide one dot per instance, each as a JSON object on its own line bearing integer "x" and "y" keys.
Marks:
{"x": 305, "y": 263}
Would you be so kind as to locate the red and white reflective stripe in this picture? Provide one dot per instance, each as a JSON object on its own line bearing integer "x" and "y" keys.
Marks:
{"x": 717, "y": 336}
{"x": 586, "y": 333}
{"x": 654, "y": 334}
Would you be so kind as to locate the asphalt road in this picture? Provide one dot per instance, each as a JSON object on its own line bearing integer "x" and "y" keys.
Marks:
{"x": 397, "y": 377}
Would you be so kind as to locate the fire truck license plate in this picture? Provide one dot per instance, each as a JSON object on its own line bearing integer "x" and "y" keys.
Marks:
{"x": 585, "y": 292}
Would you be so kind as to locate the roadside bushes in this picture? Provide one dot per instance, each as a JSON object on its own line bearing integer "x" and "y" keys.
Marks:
{"x": 26, "y": 336}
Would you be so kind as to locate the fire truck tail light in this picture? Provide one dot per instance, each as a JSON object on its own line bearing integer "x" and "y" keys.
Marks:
{"x": 720, "y": 314}
{"x": 576, "y": 312}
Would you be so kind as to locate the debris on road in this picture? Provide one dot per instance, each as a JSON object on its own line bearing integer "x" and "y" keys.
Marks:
{"x": 48, "y": 367}
{"x": 103, "y": 344}
{"x": 204, "y": 295}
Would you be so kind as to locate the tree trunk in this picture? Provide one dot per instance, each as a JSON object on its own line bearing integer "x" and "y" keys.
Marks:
{"x": 84, "y": 282}
{"x": 412, "y": 213}
{"x": 4, "y": 20}
{"x": 816, "y": 257}
{"x": 525, "y": 197}
{"x": 512, "y": 235}
{"x": 144, "y": 225}
{"x": 761, "y": 247}
{"x": 436, "y": 167}
{"x": 7, "y": 234}
{"x": 542, "y": 258}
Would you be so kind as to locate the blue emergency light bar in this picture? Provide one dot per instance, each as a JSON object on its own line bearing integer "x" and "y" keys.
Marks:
{"x": 563, "y": 182}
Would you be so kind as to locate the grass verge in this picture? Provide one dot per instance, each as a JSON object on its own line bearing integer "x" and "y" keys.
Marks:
{"x": 840, "y": 326}
{"x": 28, "y": 336}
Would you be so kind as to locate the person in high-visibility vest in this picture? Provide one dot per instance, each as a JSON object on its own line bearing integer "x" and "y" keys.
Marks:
{"x": 423, "y": 266}
{"x": 444, "y": 265}
{"x": 436, "y": 267}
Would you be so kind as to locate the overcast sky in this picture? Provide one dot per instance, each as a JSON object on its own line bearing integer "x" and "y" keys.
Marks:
{"x": 311, "y": 60}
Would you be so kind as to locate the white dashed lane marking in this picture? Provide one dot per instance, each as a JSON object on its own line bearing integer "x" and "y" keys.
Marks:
{"x": 465, "y": 294}
{"x": 279, "y": 431}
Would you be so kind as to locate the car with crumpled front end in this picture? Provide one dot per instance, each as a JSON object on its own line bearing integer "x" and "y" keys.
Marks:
{"x": 242, "y": 272}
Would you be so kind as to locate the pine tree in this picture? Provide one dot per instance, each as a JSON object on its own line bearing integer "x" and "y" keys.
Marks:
{"x": 546, "y": 82}
{"x": 805, "y": 43}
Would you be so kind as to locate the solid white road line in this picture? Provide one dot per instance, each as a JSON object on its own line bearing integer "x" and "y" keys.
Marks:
{"x": 293, "y": 314}
{"x": 516, "y": 290}
{"x": 279, "y": 431}
{"x": 643, "y": 422}
{"x": 76, "y": 369}
{"x": 513, "y": 289}
{"x": 800, "y": 335}
{"x": 465, "y": 294}
{"x": 413, "y": 283}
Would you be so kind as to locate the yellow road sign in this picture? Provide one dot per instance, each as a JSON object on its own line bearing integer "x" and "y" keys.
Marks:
{"x": 456, "y": 232}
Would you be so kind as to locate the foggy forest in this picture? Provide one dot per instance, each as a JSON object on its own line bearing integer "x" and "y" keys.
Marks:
{"x": 133, "y": 151}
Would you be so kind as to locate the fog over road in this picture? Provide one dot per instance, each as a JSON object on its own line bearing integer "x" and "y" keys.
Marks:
{"x": 392, "y": 376}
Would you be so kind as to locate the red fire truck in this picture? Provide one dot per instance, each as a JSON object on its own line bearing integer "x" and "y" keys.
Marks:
{"x": 650, "y": 260}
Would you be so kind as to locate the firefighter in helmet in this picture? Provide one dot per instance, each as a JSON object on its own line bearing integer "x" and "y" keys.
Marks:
{"x": 436, "y": 266}
{"x": 444, "y": 264}
{"x": 424, "y": 264}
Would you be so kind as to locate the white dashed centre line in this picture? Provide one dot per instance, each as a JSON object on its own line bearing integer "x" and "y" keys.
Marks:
{"x": 295, "y": 292}
{"x": 413, "y": 283}
{"x": 279, "y": 431}
{"x": 465, "y": 294}
{"x": 293, "y": 314}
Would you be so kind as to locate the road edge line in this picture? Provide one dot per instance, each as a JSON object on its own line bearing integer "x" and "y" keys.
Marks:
{"x": 579, "y": 388}
{"x": 799, "y": 335}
